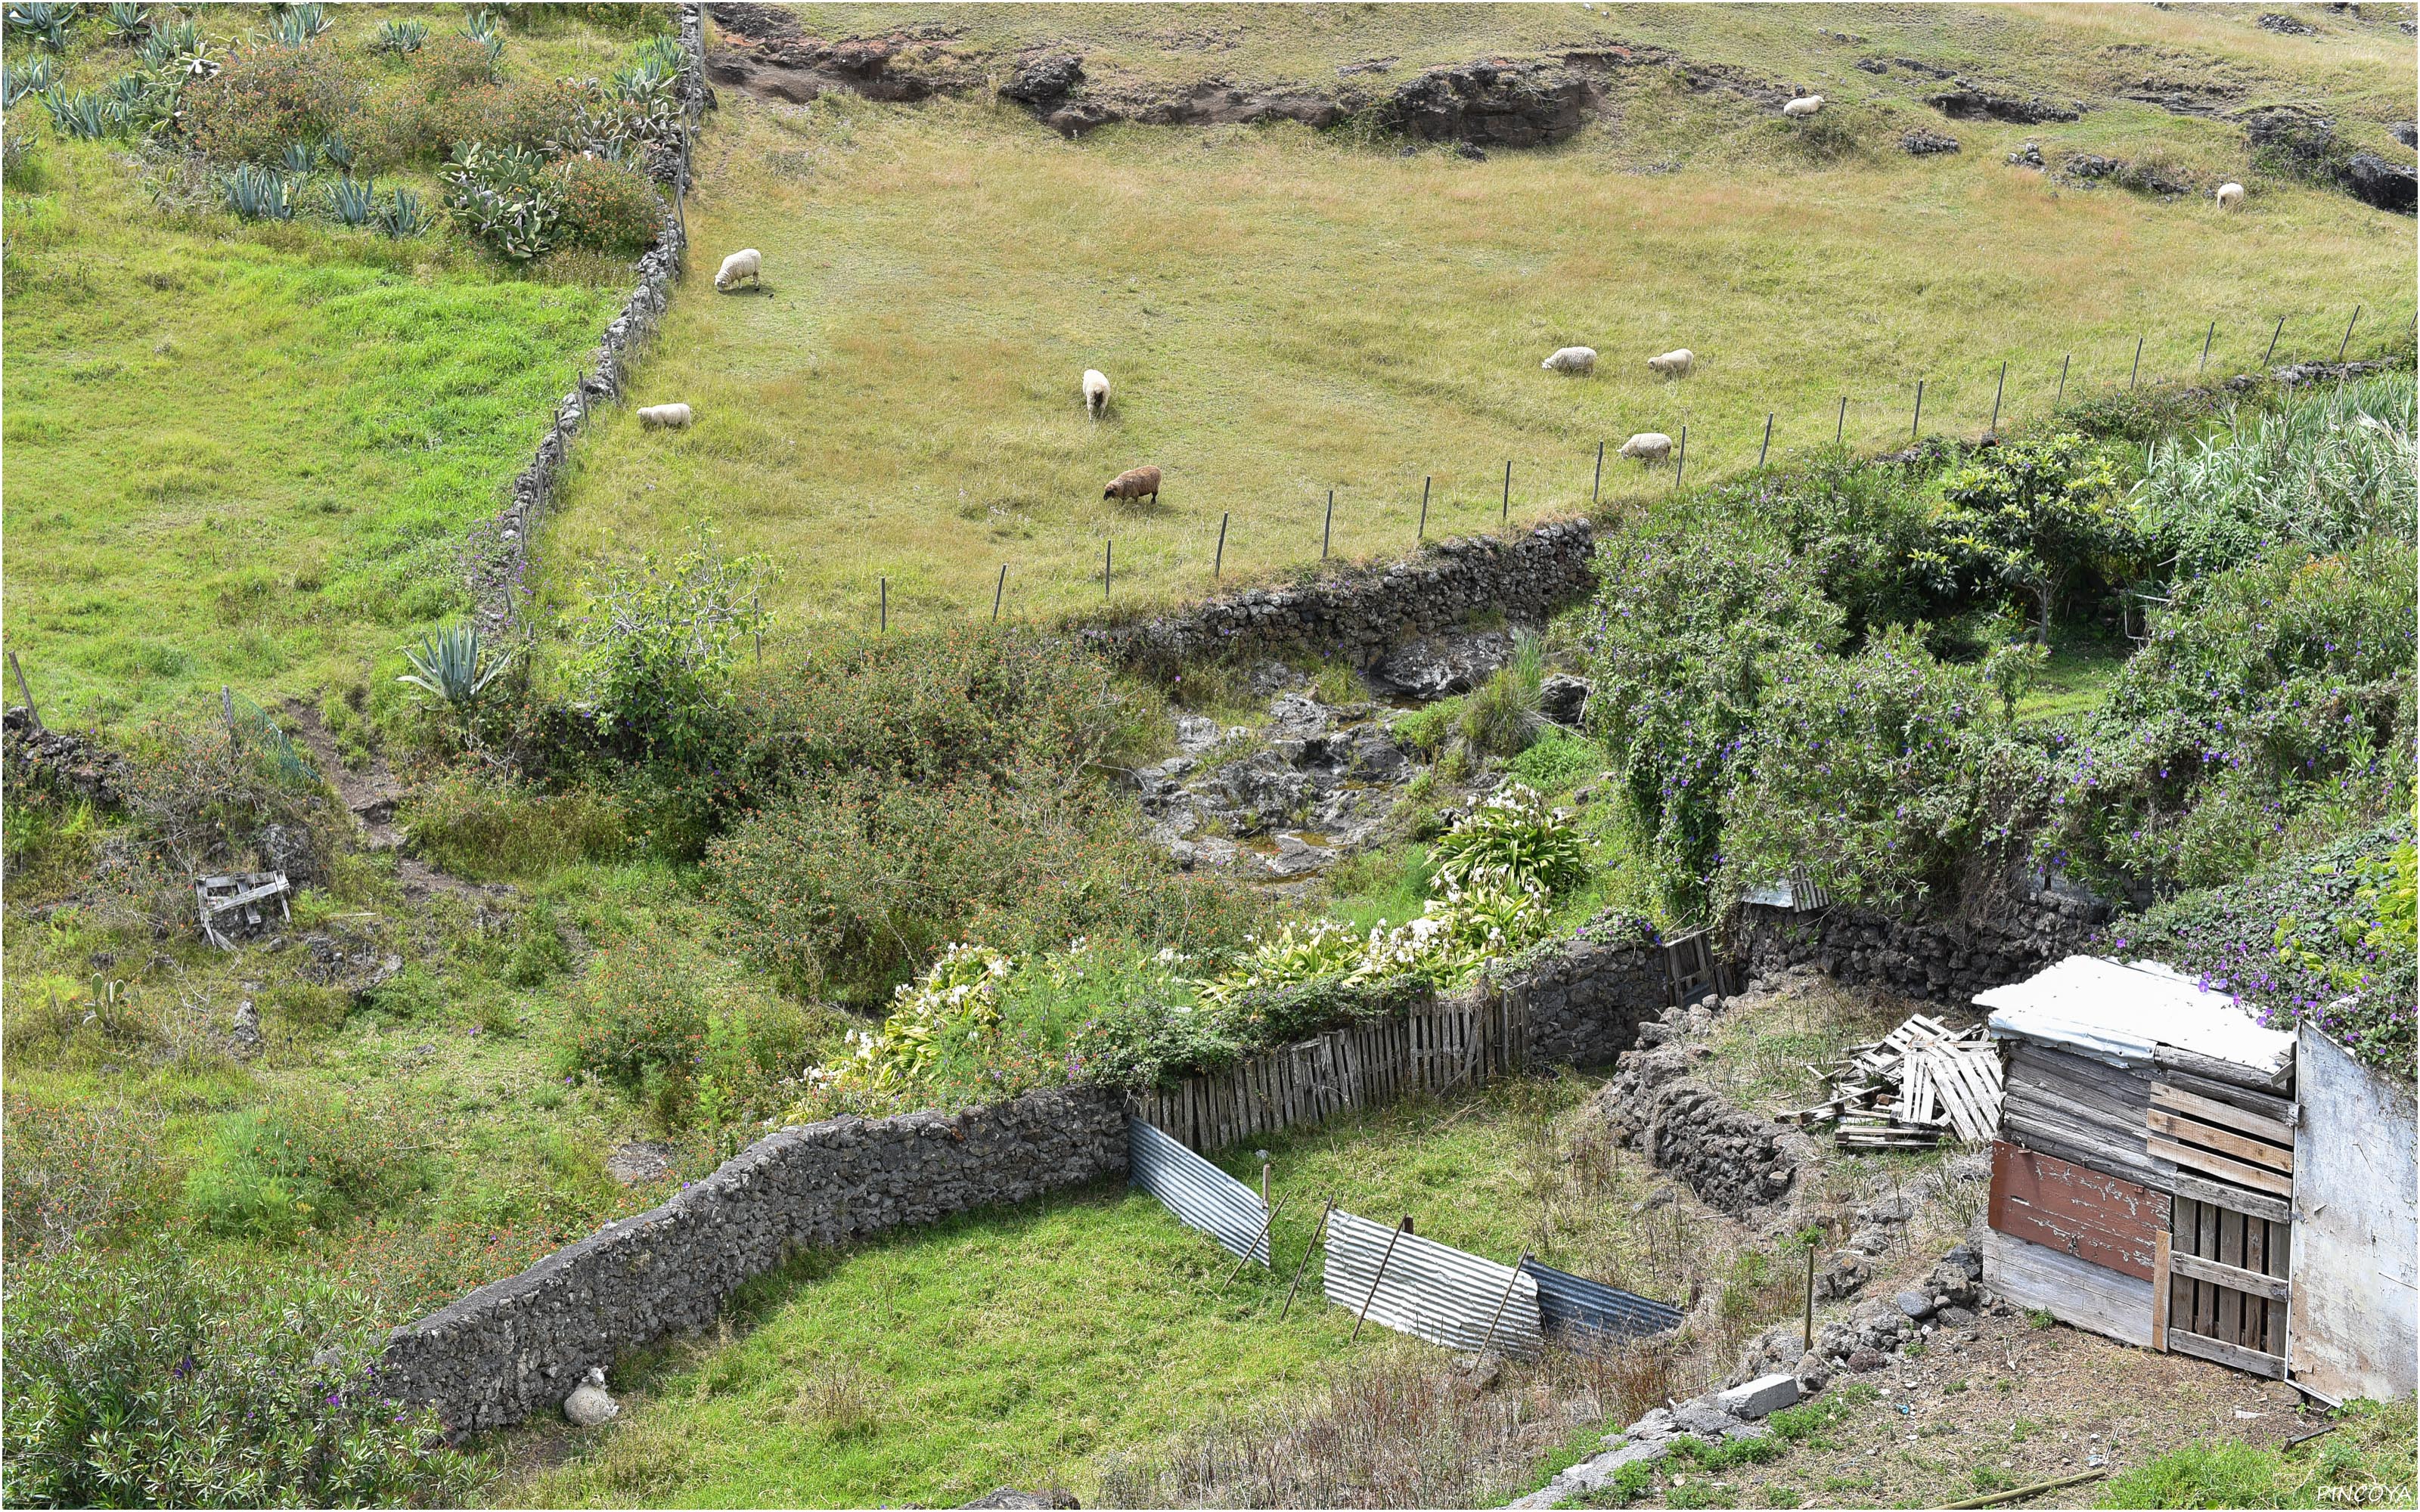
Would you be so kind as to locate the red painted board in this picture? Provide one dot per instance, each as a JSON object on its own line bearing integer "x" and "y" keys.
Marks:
{"x": 2077, "y": 1211}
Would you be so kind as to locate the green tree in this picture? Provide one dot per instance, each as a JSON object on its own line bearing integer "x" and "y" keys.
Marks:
{"x": 2027, "y": 518}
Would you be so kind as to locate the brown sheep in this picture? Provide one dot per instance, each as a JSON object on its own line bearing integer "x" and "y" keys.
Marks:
{"x": 1134, "y": 483}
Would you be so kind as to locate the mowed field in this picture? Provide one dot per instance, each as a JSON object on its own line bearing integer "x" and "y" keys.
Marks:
{"x": 1283, "y": 313}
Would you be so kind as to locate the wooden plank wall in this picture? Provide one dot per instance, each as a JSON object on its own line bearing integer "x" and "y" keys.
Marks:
{"x": 1435, "y": 1048}
{"x": 2105, "y": 1220}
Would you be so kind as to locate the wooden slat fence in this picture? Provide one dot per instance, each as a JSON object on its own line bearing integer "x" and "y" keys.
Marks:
{"x": 1434, "y": 1048}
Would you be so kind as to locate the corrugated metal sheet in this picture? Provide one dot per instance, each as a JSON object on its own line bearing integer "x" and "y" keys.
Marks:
{"x": 1200, "y": 1194}
{"x": 1580, "y": 1313}
{"x": 1431, "y": 1290}
{"x": 2120, "y": 1013}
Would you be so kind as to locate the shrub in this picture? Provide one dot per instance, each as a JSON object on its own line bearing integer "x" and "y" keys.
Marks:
{"x": 157, "y": 1382}
{"x": 2325, "y": 472}
{"x": 503, "y": 198}
{"x": 2326, "y": 936}
{"x": 1871, "y": 771}
{"x": 533, "y": 116}
{"x": 607, "y": 207}
{"x": 265, "y": 97}
{"x": 1297, "y": 953}
{"x": 2279, "y": 684}
{"x": 273, "y": 1172}
{"x": 205, "y": 802}
{"x": 656, "y": 645}
{"x": 85, "y": 1171}
{"x": 1688, "y": 619}
{"x": 2030, "y": 518}
{"x": 643, "y": 1016}
{"x": 539, "y": 954}
{"x": 1427, "y": 729}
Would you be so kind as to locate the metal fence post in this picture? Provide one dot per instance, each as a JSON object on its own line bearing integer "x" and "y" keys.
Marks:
{"x": 1915, "y": 423}
{"x": 1768, "y": 442}
{"x": 2138, "y": 363}
{"x": 24, "y": 692}
{"x": 1840, "y": 426}
{"x": 1489, "y": 1337}
{"x": 1363, "y": 1316}
{"x": 2272, "y": 341}
{"x": 2209, "y": 336}
{"x": 1598, "y": 480}
{"x": 1106, "y": 548}
{"x": 1328, "y": 526}
{"x": 886, "y": 607}
{"x": 1424, "y": 507}
{"x": 2346, "y": 345}
{"x": 1219, "y": 562}
{"x": 2062, "y": 381}
{"x": 1305, "y": 1264}
{"x": 1001, "y": 587}
{"x": 1508, "y": 469}
{"x": 1997, "y": 393}
{"x": 1681, "y": 462}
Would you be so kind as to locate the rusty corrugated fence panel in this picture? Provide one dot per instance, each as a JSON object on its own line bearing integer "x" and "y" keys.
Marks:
{"x": 1200, "y": 1194}
{"x": 1430, "y": 1291}
{"x": 1585, "y": 1314}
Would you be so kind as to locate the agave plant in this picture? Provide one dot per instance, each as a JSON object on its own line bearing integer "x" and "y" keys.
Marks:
{"x": 126, "y": 24}
{"x": 294, "y": 25}
{"x": 399, "y": 37}
{"x": 130, "y": 90}
{"x": 82, "y": 115}
{"x": 481, "y": 28}
{"x": 337, "y": 153}
{"x": 353, "y": 201}
{"x": 258, "y": 193}
{"x": 175, "y": 44}
{"x": 298, "y": 160}
{"x": 31, "y": 77}
{"x": 403, "y": 216}
{"x": 43, "y": 23}
{"x": 452, "y": 663}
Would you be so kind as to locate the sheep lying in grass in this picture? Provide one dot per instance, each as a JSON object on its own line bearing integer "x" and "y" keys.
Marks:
{"x": 1673, "y": 364}
{"x": 1134, "y": 483}
{"x": 669, "y": 416}
{"x": 1647, "y": 446}
{"x": 2230, "y": 195}
{"x": 746, "y": 263}
{"x": 1572, "y": 360}
{"x": 1096, "y": 392}
{"x": 1802, "y": 105}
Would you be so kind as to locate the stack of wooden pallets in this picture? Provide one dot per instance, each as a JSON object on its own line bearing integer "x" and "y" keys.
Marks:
{"x": 1912, "y": 1088}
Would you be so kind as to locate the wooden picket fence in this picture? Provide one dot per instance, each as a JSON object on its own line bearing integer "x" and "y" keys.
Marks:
{"x": 1437, "y": 1047}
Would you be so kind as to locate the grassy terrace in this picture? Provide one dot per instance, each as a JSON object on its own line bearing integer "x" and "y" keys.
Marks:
{"x": 245, "y": 453}
{"x": 1032, "y": 1346}
{"x": 1283, "y": 313}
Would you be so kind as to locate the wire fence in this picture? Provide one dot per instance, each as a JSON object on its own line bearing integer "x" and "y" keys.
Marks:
{"x": 1698, "y": 453}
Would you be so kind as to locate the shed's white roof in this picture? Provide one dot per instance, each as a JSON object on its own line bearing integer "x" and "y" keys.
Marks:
{"x": 2117, "y": 1011}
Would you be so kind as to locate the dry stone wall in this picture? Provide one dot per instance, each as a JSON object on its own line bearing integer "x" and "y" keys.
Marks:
{"x": 496, "y": 556}
{"x": 1358, "y": 616}
{"x": 520, "y": 1345}
{"x": 1946, "y": 961}
{"x": 1589, "y": 992}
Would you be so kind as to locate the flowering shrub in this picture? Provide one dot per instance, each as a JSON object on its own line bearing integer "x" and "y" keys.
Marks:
{"x": 1460, "y": 932}
{"x": 955, "y": 1002}
{"x": 642, "y": 1024}
{"x": 2326, "y": 937}
{"x": 1297, "y": 953}
{"x": 1513, "y": 841}
{"x": 273, "y": 1172}
{"x": 607, "y": 205}
{"x": 156, "y": 1382}
{"x": 2267, "y": 690}
{"x": 76, "y": 1172}
{"x": 266, "y": 95}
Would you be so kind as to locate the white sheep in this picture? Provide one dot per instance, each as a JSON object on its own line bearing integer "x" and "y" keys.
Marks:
{"x": 590, "y": 1405}
{"x": 1572, "y": 360}
{"x": 1673, "y": 364}
{"x": 1096, "y": 392}
{"x": 1647, "y": 446}
{"x": 2230, "y": 195}
{"x": 1802, "y": 105}
{"x": 746, "y": 263}
{"x": 670, "y": 416}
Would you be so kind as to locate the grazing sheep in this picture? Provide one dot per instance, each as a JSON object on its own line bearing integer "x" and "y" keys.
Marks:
{"x": 1096, "y": 392}
{"x": 746, "y": 263}
{"x": 671, "y": 416}
{"x": 1673, "y": 364}
{"x": 1134, "y": 483}
{"x": 1572, "y": 360}
{"x": 1802, "y": 105}
{"x": 1647, "y": 446}
{"x": 2230, "y": 195}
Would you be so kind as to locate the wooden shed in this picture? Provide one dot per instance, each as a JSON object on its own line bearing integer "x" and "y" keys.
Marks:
{"x": 2143, "y": 1176}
